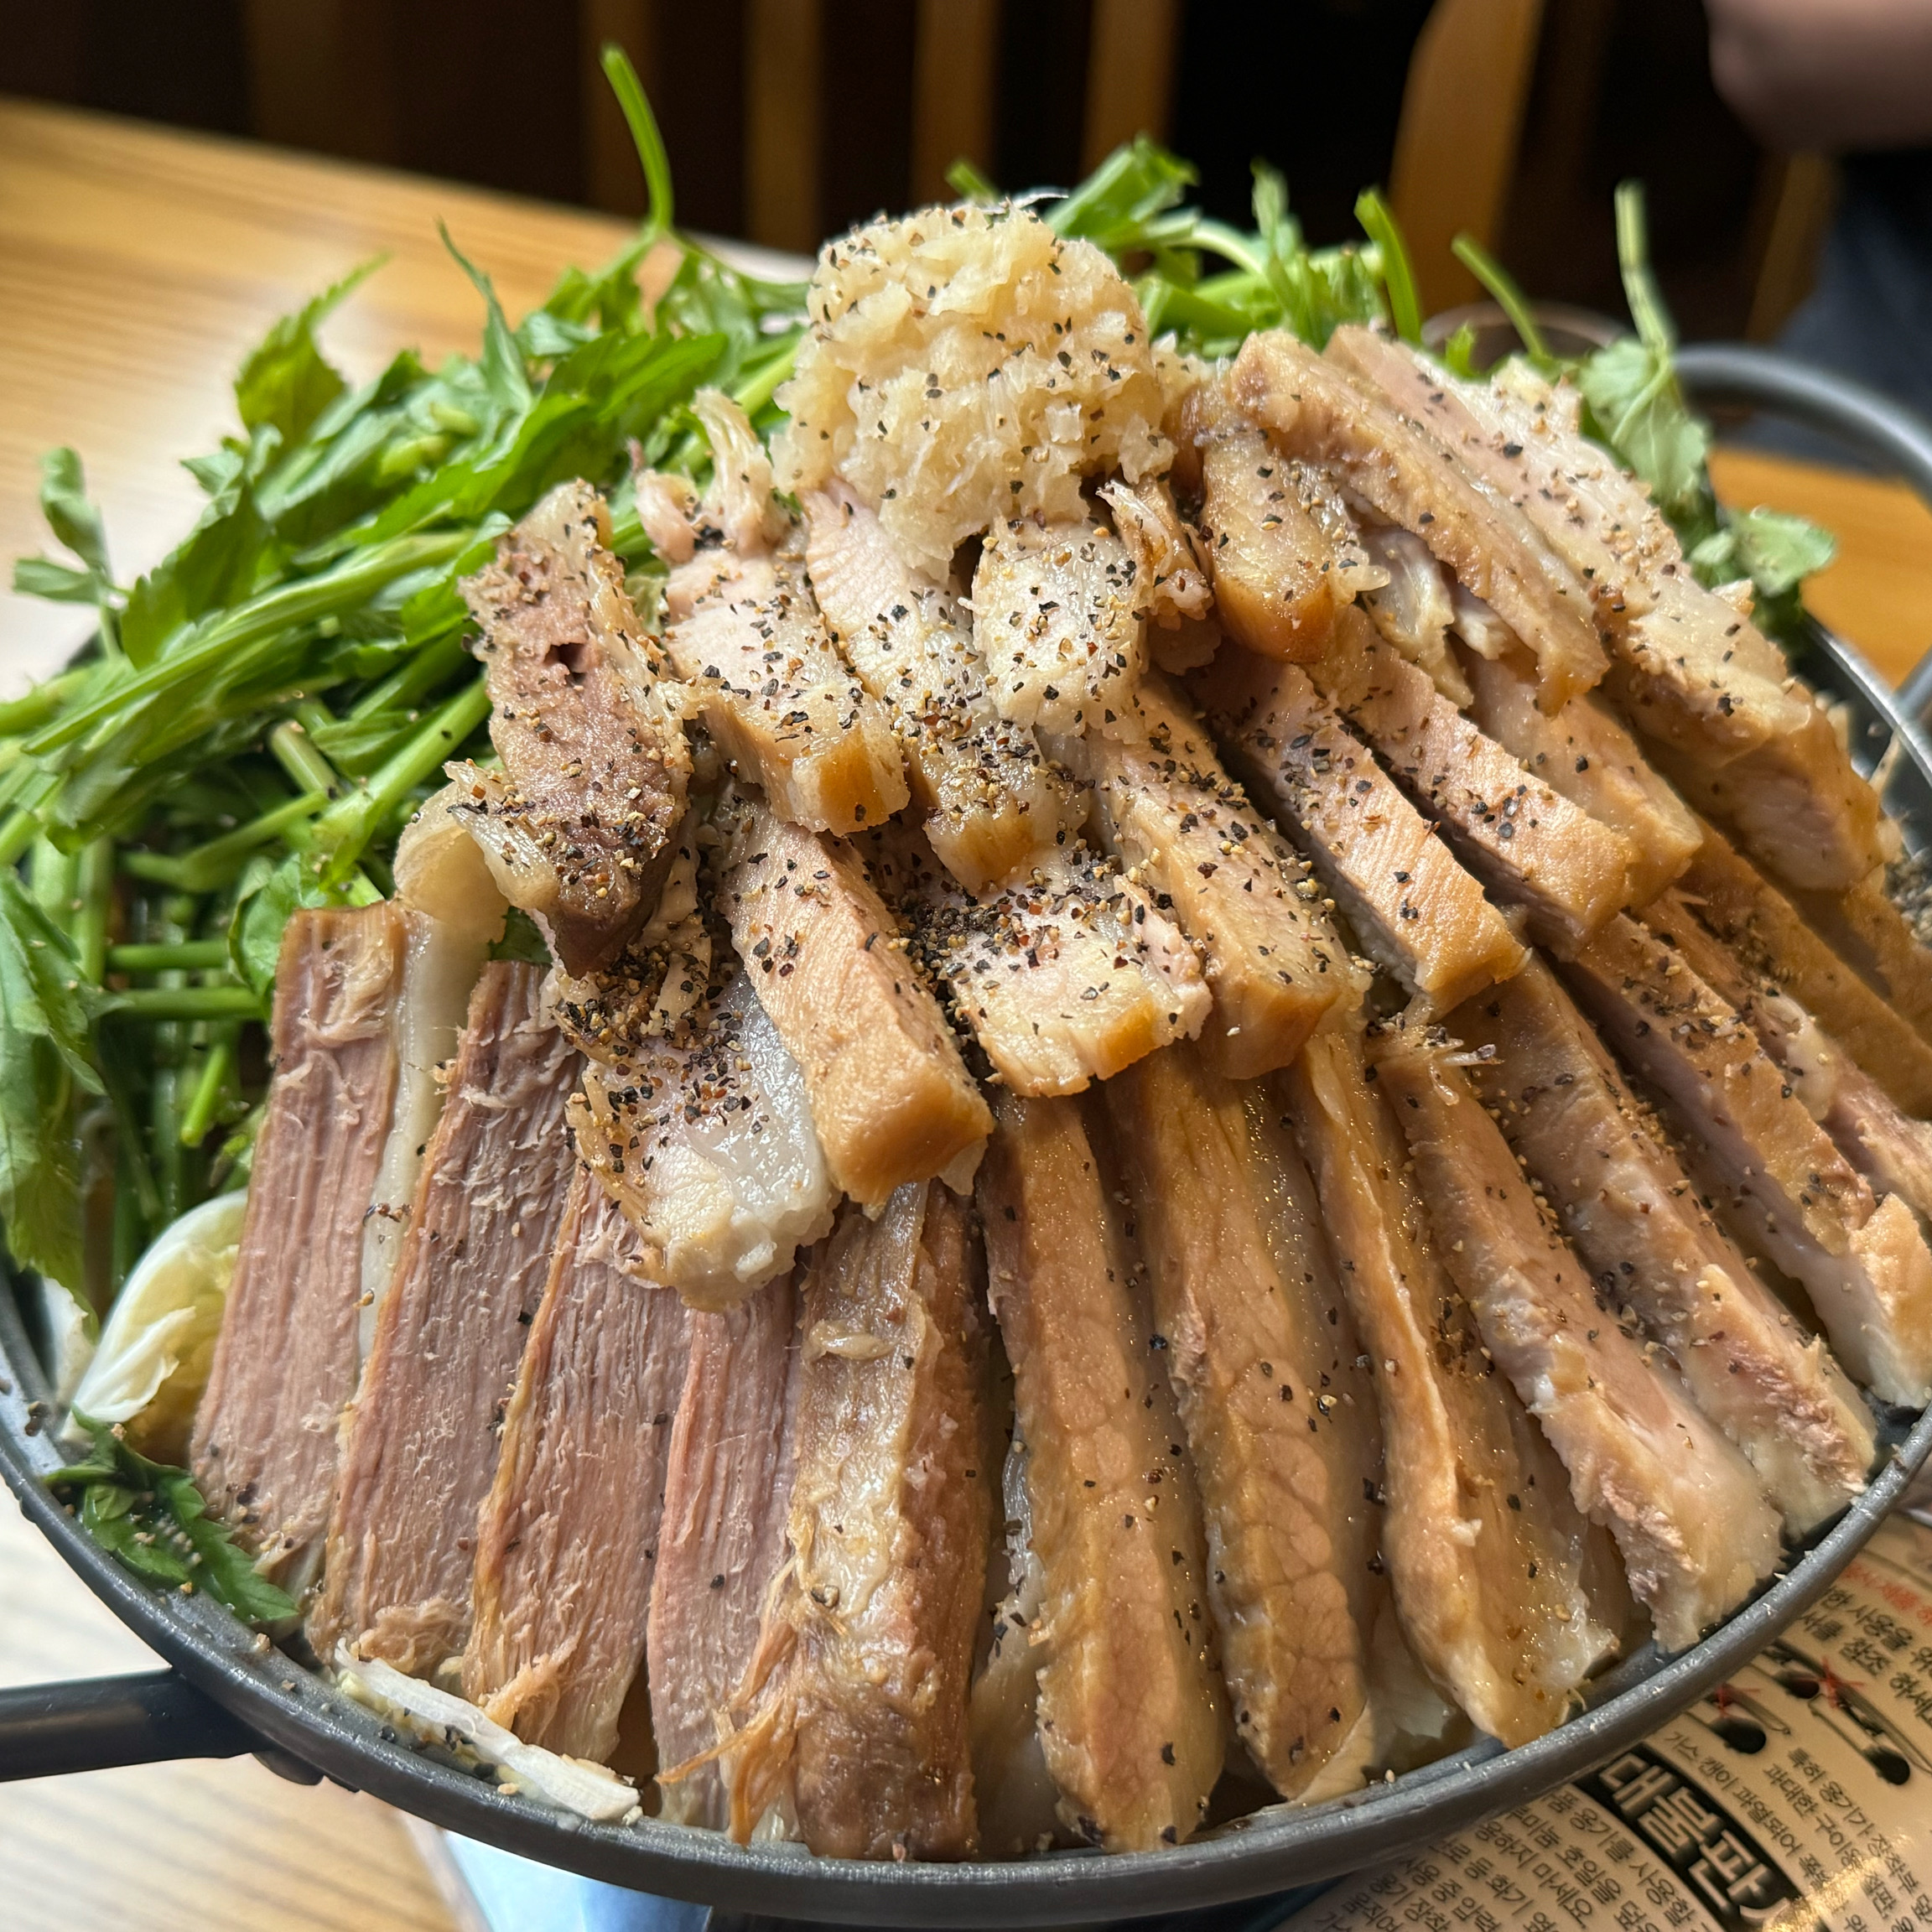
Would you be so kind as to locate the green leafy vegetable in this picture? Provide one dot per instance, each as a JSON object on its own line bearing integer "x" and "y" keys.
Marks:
{"x": 152, "y": 1518}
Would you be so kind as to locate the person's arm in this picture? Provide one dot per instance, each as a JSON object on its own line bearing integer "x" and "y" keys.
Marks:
{"x": 1826, "y": 74}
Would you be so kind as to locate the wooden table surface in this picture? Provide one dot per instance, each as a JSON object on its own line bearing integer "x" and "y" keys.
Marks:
{"x": 136, "y": 267}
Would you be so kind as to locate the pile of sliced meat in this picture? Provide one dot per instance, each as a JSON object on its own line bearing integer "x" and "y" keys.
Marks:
{"x": 1165, "y": 1172}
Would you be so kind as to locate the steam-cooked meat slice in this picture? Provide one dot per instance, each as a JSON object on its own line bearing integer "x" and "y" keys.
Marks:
{"x": 890, "y": 1098}
{"x": 577, "y": 825}
{"x": 420, "y": 1447}
{"x": 1623, "y": 1199}
{"x": 1795, "y": 803}
{"x": 1692, "y": 1521}
{"x": 992, "y": 806}
{"x": 263, "y": 1450}
{"x": 1063, "y": 977}
{"x": 1784, "y": 1188}
{"x": 1279, "y": 1420}
{"x": 1868, "y": 931}
{"x": 1891, "y": 1150}
{"x": 704, "y": 1133}
{"x": 1519, "y": 436}
{"x": 1170, "y": 583}
{"x": 1408, "y": 478}
{"x": 1173, "y": 816}
{"x": 1415, "y": 609}
{"x": 1568, "y": 872}
{"x": 1769, "y": 934}
{"x": 1279, "y": 543}
{"x": 1486, "y": 1553}
{"x": 1411, "y": 906}
{"x": 1585, "y": 752}
{"x": 721, "y": 1541}
{"x": 567, "y": 1540}
{"x": 1130, "y": 1709}
{"x": 890, "y": 1519}
{"x": 1056, "y": 621}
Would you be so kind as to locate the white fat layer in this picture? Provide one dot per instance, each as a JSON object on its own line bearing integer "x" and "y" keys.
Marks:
{"x": 440, "y": 966}
{"x": 571, "y": 1783}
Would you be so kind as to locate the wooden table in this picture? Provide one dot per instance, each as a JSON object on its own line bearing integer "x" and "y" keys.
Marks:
{"x": 136, "y": 269}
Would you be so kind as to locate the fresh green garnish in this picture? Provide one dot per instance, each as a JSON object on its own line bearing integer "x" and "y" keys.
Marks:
{"x": 152, "y": 1518}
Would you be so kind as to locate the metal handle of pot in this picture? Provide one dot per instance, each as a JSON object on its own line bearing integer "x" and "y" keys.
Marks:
{"x": 47, "y": 1730}
{"x": 1874, "y": 425}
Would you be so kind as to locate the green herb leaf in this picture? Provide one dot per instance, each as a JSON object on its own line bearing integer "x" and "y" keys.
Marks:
{"x": 1379, "y": 225}
{"x": 1777, "y": 551}
{"x": 504, "y": 376}
{"x": 1638, "y": 408}
{"x": 286, "y": 384}
{"x": 73, "y": 521}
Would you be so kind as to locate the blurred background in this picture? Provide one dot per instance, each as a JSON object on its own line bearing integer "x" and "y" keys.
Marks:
{"x": 788, "y": 119}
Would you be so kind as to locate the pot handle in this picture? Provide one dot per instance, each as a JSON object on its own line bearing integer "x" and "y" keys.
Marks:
{"x": 1879, "y": 428}
{"x": 47, "y": 1730}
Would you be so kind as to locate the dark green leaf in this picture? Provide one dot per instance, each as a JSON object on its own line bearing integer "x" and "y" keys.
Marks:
{"x": 286, "y": 382}
{"x": 504, "y": 376}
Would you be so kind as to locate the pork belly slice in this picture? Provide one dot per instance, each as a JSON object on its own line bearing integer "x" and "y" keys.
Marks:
{"x": 1415, "y": 609}
{"x": 704, "y": 1133}
{"x": 1785, "y": 1190}
{"x": 1863, "y": 925}
{"x": 1280, "y": 545}
{"x": 577, "y": 825}
{"x": 1890, "y": 1149}
{"x": 1131, "y": 1713}
{"x": 1171, "y": 589}
{"x": 1519, "y": 436}
{"x": 1569, "y": 872}
{"x": 890, "y": 1098}
{"x": 1766, "y": 931}
{"x": 567, "y": 1539}
{"x": 419, "y": 1447}
{"x": 1695, "y": 1528}
{"x": 1063, "y": 977}
{"x": 1315, "y": 411}
{"x": 992, "y": 807}
{"x": 720, "y": 1540}
{"x": 263, "y": 1449}
{"x": 1279, "y": 1418}
{"x": 891, "y": 1515}
{"x": 1489, "y": 1557}
{"x": 1623, "y": 1199}
{"x": 1411, "y": 906}
{"x": 1056, "y": 621}
{"x": 1171, "y": 815}
{"x": 1585, "y": 752}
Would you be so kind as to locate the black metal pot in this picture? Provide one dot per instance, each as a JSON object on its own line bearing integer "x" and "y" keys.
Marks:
{"x": 227, "y": 1693}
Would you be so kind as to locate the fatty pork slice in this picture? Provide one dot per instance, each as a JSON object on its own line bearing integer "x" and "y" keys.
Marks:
{"x": 1056, "y": 624}
{"x": 1626, "y": 1203}
{"x": 1690, "y": 668}
{"x": 1569, "y": 872}
{"x": 1769, "y": 935}
{"x": 1585, "y": 752}
{"x": 1890, "y": 1149}
{"x": 567, "y": 1540}
{"x": 419, "y": 1446}
{"x": 704, "y": 1133}
{"x": 1314, "y": 411}
{"x": 1281, "y": 1420}
{"x": 1063, "y": 977}
{"x": 1489, "y": 1557}
{"x": 1280, "y": 548}
{"x": 1184, "y": 829}
{"x": 1416, "y": 912}
{"x": 1863, "y": 924}
{"x": 1131, "y": 1712}
{"x": 891, "y": 1515}
{"x": 721, "y": 1541}
{"x": 264, "y": 1446}
{"x": 1695, "y": 1528}
{"x": 891, "y": 1098}
{"x": 1785, "y": 1189}
{"x": 992, "y": 807}
{"x": 577, "y": 826}
{"x": 747, "y": 639}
